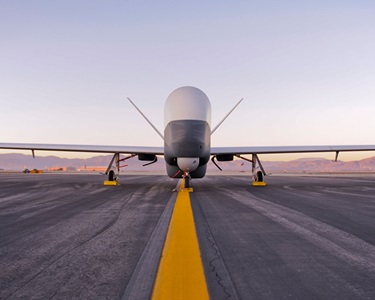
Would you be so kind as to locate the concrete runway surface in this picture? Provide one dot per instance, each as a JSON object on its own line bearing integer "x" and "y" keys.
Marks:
{"x": 66, "y": 236}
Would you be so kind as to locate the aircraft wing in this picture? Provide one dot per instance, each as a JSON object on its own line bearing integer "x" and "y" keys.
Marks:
{"x": 289, "y": 149}
{"x": 84, "y": 148}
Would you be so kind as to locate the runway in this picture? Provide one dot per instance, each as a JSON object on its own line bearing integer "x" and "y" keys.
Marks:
{"x": 301, "y": 237}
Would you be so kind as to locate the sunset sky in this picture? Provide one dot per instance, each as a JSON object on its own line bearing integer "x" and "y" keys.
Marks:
{"x": 306, "y": 70}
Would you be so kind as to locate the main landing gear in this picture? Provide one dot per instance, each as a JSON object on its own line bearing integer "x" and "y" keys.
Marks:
{"x": 258, "y": 176}
{"x": 114, "y": 174}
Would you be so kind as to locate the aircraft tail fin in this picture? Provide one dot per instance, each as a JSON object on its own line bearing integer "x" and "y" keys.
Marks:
{"x": 226, "y": 116}
{"x": 149, "y": 122}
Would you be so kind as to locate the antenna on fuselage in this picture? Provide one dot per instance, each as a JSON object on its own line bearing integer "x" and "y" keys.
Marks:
{"x": 227, "y": 115}
{"x": 149, "y": 122}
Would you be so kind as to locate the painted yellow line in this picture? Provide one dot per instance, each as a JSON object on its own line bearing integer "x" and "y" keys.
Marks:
{"x": 180, "y": 274}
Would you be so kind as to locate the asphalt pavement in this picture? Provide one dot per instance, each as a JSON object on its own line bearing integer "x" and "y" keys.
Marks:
{"x": 66, "y": 236}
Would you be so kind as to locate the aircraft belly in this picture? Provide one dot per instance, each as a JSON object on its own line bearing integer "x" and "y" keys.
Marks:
{"x": 175, "y": 172}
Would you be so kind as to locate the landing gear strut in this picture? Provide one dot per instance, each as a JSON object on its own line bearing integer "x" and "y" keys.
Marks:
{"x": 186, "y": 177}
{"x": 113, "y": 175}
{"x": 258, "y": 176}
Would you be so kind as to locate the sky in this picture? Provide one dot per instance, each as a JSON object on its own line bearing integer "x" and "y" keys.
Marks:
{"x": 306, "y": 70}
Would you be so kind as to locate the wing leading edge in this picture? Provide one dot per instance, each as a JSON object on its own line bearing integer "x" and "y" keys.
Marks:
{"x": 289, "y": 149}
{"x": 160, "y": 150}
{"x": 84, "y": 148}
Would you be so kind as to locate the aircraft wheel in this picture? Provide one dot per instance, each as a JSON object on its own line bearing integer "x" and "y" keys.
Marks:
{"x": 259, "y": 176}
{"x": 111, "y": 175}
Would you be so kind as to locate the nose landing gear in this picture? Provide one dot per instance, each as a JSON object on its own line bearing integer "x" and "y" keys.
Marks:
{"x": 186, "y": 184}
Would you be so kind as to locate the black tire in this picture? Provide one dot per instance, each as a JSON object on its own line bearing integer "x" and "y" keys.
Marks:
{"x": 111, "y": 175}
{"x": 259, "y": 176}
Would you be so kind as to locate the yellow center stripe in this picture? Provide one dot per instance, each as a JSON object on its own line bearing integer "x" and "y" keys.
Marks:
{"x": 180, "y": 274}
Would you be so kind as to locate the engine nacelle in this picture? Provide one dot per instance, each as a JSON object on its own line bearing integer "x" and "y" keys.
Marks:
{"x": 146, "y": 157}
{"x": 224, "y": 157}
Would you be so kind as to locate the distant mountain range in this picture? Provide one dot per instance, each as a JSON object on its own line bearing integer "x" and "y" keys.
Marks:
{"x": 19, "y": 162}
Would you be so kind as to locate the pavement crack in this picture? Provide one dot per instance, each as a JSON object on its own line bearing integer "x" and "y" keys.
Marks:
{"x": 216, "y": 264}
{"x": 212, "y": 262}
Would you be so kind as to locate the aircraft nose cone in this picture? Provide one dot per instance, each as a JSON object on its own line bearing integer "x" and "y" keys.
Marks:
{"x": 187, "y": 103}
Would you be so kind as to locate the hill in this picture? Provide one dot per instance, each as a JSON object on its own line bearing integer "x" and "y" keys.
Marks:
{"x": 19, "y": 162}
